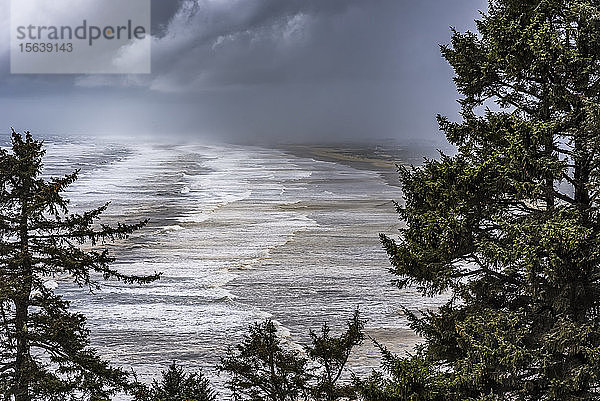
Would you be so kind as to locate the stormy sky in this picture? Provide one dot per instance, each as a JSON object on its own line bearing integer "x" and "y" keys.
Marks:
{"x": 261, "y": 71}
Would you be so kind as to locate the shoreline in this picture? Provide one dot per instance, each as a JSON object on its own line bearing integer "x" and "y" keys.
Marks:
{"x": 351, "y": 156}
{"x": 381, "y": 159}
{"x": 400, "y": 341}
{"x": 367, "y": 356}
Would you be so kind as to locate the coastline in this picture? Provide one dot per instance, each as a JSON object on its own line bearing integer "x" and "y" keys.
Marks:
{"x": 351, "y": 156}
{"x": 384, "y": 161}
{"x": 381, "y": 159}
{"x": 367, "y": 357}
{"x": 195, "y": 305}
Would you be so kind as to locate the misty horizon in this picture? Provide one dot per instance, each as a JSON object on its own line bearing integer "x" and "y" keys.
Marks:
{"x": 262, "y": 72}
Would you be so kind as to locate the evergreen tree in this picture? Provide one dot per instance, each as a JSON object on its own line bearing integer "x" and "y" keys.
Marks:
{"x": 177, "y": 385}
{"x": 263, "y": 368}
{"x": 510, "y": 225}
{"x": 331, "y": 355}
{"x": 44, "y": 352}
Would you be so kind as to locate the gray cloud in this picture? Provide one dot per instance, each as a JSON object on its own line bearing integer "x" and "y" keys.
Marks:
{"x": 285, "y": 70}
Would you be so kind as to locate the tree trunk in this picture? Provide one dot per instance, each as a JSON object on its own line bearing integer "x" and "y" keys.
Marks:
{"x": 549, "y": 184}
{"x": 23, "y": 357}
{"x": 581, "y": 177}
{"x": 548, "y": 150}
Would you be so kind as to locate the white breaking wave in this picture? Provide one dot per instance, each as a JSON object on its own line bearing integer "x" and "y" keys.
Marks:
{"x": 240, "y": 234}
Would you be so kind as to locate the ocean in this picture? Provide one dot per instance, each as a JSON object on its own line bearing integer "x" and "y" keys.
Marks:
{"x": 240, "y": 234}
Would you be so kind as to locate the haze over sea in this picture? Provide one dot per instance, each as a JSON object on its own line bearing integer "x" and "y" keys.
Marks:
{"x": 240, "y": 233}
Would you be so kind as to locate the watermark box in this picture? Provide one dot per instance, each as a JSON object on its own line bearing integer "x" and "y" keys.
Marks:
{"x": 80, "y": 37}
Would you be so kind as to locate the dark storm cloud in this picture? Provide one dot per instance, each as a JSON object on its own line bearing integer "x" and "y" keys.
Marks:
{"x": 210, "y": 44}
{"x": 162, "y": 12}
{"x": 285, "y": 70}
